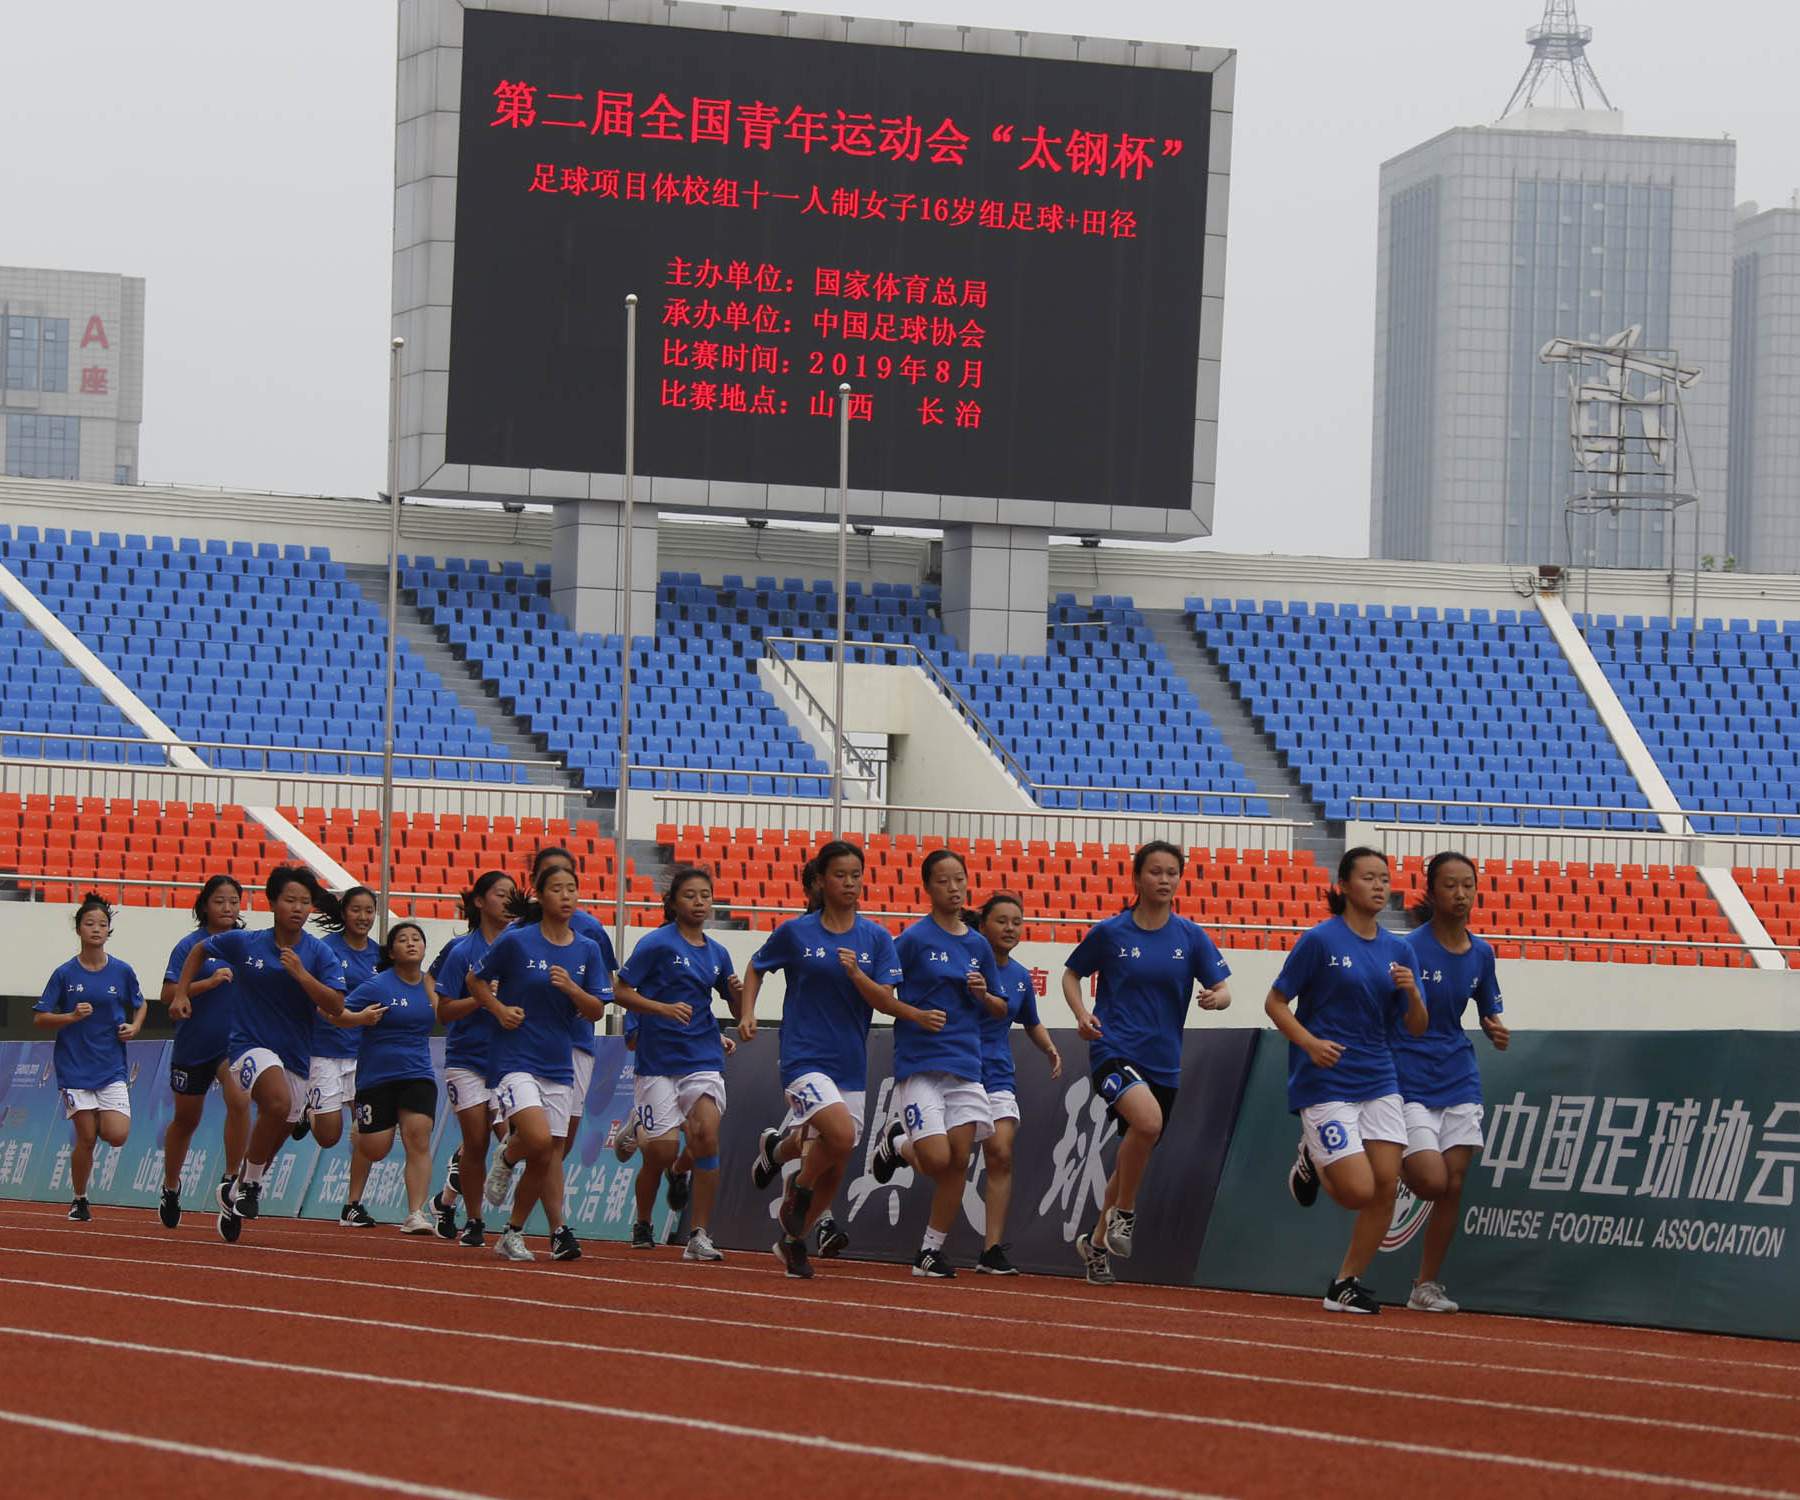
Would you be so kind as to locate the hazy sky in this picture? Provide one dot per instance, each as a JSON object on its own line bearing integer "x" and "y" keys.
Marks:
{"x": 240, "y": 156}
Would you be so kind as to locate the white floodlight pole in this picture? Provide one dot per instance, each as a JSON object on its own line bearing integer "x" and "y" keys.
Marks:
{"x": 843, "y": 611}
{"x": 393, "y": 636}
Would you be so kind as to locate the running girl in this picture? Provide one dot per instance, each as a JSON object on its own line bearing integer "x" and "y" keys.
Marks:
{"x": 1002, "y": 922}
{"x": 1439, "y": 1079}
{"x": 949, "y": 981}
{"x": 283, "y": 974}
{"x": 670, "y": 980}
{"x": 331, "y": 1084}
{"x": 202, "y": 1039}
{"x": 1149, "y": 961}
{"x": 1355, "y": 982}
{"x": 95, "y": 1007}
{"x": 840, "y": 968}
{"x": 532, "y": 980}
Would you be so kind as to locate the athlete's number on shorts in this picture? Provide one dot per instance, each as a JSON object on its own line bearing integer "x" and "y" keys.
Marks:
{"x": 805, "y": 1095}
{"x": 1333, "y": 1136}
{"x": 505, "y": 1096}
{"x": 915, "y": 1117}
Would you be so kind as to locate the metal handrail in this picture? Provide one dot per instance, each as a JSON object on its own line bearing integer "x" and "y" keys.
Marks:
{"x": 44, "y": 736}
{"x": 797, "y": 684}
{"x": 1687, "y": 814}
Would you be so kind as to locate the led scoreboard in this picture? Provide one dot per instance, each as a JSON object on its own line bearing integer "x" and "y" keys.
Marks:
{"x": 1004, "y": 256}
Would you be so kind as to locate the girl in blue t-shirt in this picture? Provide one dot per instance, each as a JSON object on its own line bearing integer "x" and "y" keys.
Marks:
{"x": 198, "y": 1055}
{"x": 1355, "y": 982}
{"x": 331, "y": 1081}
{"x": 1440, "y": 1081}
{"x": 95, "y": 1007}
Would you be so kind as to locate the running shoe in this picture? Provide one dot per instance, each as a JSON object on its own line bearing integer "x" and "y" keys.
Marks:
{"x": 681, "y": 1188}
{"x": 833, "y": 1240}
{"x": 302, "y": 1127}
{"x": 796, "y": 1204}
{"x": 511, "y": 1246}
{"x": 355, "y": 1216}
{"x": 417, "y": 1222}
{"x": 564, "y": 1245}
{"x": 1351, "y": 1296}
{"x": 246, "y": 1199}
{"x": 625, "y": 1140}
{"x": 444, "y": 1225}
{"x": 792, "y": 1255}
{"x": 764, "y": 1169}
{"x": 453, "y": 1178}
{"x": 499, "y": 1181}
{"x": 1094, "y": 1262}
{"x": 701, "y": 1247}
{"x": 230, "y": 1226}
{"x": 168, "y": 1209}
{"x": 1120, "y": 1225}
{"x": 1303, "y": 1178}
{"x": 1430, "y": 1296}
{"x": 641, "y": 1237}
{"x": 79, "y": 1212}
{"x": 223, "y": 1192}
{"x": 933, "y": 1263}
{"x": 994, "y": 1262}
{"x": 474, "y": 1234}
{"x": 887, "y": 1153}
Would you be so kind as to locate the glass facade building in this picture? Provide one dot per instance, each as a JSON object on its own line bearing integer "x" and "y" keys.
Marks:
{"x": 1763, "y": 523}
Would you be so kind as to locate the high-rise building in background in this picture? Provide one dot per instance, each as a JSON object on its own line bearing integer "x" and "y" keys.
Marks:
{"x": 1494, "y": 240}
{"x": 1763, "y": 508}
{"x": 72, "y": 377}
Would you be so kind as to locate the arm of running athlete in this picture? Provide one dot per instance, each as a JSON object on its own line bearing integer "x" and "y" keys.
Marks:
{"x": 1087, "y": 1025}
{"x": 509, "y": 1016}
{"x": 1217, "y": 998}
{"x": 590, "y": 1007}
{"x": 1406, "y": 983}
{"x": 886, "y": 999}
{"x": 128, "y": 1030}
{"x": 1042, "y": 1040}
{"x": 184, "y": 985}
{"x": 55, "y": 1020}
{"x": 1279, "y": 1009}
{"x": 746, "y": 1016}
{"x": 328, "y": 1001}
{"x": 680, "y": 1012}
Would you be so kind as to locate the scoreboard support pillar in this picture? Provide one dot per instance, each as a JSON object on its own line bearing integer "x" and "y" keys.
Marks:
{"x": 585, "y": 556}
{"x": 996, "y": 582}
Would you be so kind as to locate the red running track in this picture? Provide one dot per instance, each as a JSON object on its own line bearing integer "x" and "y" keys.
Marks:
{"x": 309, "y": 1359}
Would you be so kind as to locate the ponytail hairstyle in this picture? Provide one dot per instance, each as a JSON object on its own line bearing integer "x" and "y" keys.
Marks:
{"x": 809, "y": 886}
{"x": 93, "y": 901}
{"x": 484, "y": 883}
{"x": 526, "y": 910}
{"x": 683, "y": 875}
{"x": 1422, "y": 911}
{"x": 1334, "y": 898}
{"x": 813, "y": 878}
{"x": 385, "y": 960}
{"x": 212, "y": 887}
{"x": 334, "y": 921}
{"x": 327, "y": 910}
{"x": 1142, "y": 858}
{"x": 936, "y": 858}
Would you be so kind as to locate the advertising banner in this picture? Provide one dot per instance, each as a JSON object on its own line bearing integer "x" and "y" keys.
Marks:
{"x": 1641, "y": 1177}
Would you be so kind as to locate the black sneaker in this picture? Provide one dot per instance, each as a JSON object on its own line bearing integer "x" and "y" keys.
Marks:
{"x": 933, "y": 1263}
{"x": 230, "y": 1226}
{"x": 302, "y": 1127}
{"x": 1350, "y": 1295}
{"x": 641, "y": 1237}
{"x": 168, "y": 1208}
{"x": 1303, "y": 1179}
{"x": 887, "y": 1154}
{"x": 994, "y": 1262}
{"x": 796, "y": 1204}
{"x": 246, "y": 1200}
{"x": 764, "y": 1169}
{"x": 681, "y": 1188}
{"x": 564, "y": 1245}
{"x": 355, "y": 1216}
{"x": 79, "y": 1212}
{"x": 445, "y": 1225}
{"x": 223, "y": 1191}
{"x": 1095, "y": 1263}
{"x": 792, "y": 1255}
{"x": 833, "y": 1241}
{"x": 453, "y": 1178}
{"x": 474, "y": 1234}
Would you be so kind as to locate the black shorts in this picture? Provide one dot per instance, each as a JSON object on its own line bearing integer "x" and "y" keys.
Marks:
{"x": 1112, "y": 1077}
{"x": 194, "y": 1078}
{"x": 378, "y": 1105}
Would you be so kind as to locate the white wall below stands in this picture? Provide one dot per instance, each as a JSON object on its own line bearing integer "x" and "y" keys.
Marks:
{"x": 1539, "y": 996}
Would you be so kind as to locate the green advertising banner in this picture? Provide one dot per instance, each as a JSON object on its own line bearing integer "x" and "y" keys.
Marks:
{"x": 1643, "y": 1177}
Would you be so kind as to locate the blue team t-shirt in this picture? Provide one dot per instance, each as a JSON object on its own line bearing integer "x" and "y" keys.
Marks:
{"x": 518, "y": 967}
{"x": 996, "y": 1031}
{"x": 89, "y": 1054}
{"x": 272, "y": 1010}
{"x": 665, "y": 966}
{"x": 934, "y": 970}
{"x": 1147, "y": 981}
{"x": 206, "y": 1034}
{"x": 1345, "y": 995}
{"x": 359, "y": 968}
{"x": 586, "y": 925}
{"x": 469, "y": 1039}
{"x": 824, "y": 1020}
{"x": 1437, "y": 1068}
{"x": 398, "y": 1046}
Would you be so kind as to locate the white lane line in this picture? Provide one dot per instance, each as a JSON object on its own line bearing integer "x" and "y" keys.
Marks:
{"x": 1484, "y": 1404}
{"x": 356, "y": 1477}
{"x": 688, "y": 1421}
{"x": 643, "y": 1282}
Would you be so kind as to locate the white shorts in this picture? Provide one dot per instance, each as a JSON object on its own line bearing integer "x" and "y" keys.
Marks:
{"x": 812, "y": 1092}
{"x": 465, "y": 1088}
{"x": 1442, "y": 1129}
{"x": 934, "y": 1103}
{"x": 517, "y": 1091}
{"x": 115, "y": 1096}
{"x": 259, "y": 1060}
{"x": 331, "y": 1084}
{"x": 584, "y": 1075}
{"x": 1003, "y": 1104}
{"x": 662, "y": 1102}
{"x": 1335, "y": 1130}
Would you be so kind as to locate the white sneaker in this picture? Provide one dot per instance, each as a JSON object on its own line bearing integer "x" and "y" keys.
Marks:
{"x": 625, "y": 1143}
{"x": 1119, "y": 1227}
{"x": 1429, "y": 1296}
{"x": 499, "y": 1181}
{"x": 417, "y": 1222}
{"x": 511, "y": 1246}
{"x": 701, "y": 1247}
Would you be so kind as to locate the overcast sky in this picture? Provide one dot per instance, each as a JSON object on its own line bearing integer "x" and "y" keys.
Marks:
{"x": 240, "y": 156}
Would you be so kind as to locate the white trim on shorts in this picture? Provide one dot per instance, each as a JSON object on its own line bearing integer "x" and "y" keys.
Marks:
{"x": 1444, "y": 1129}
{"x": 809, "y": 1093}
{"x": 114, "y": 1096}
{"x": 330, "y": 1084}
{"x": 663, "y": 1102}
{"x": 465, "y": 1089}
{"x": 935, "y": 1103}
{"x": 1003, "y": 1104}
{"x": 1338, "y": 1128}
{"x": 584, "y": 1075}
{"x": 249, "y": 1066}
{"x": 517, "y": 1091}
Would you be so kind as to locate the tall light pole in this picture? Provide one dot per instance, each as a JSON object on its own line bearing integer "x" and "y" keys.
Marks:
{"x": 393, "y": 635}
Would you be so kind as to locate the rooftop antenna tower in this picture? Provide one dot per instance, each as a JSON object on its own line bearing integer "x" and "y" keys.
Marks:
{"x": 1559, "y": 56}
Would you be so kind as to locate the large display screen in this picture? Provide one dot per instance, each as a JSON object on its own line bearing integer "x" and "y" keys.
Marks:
{"x": 1000, "y": 255}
